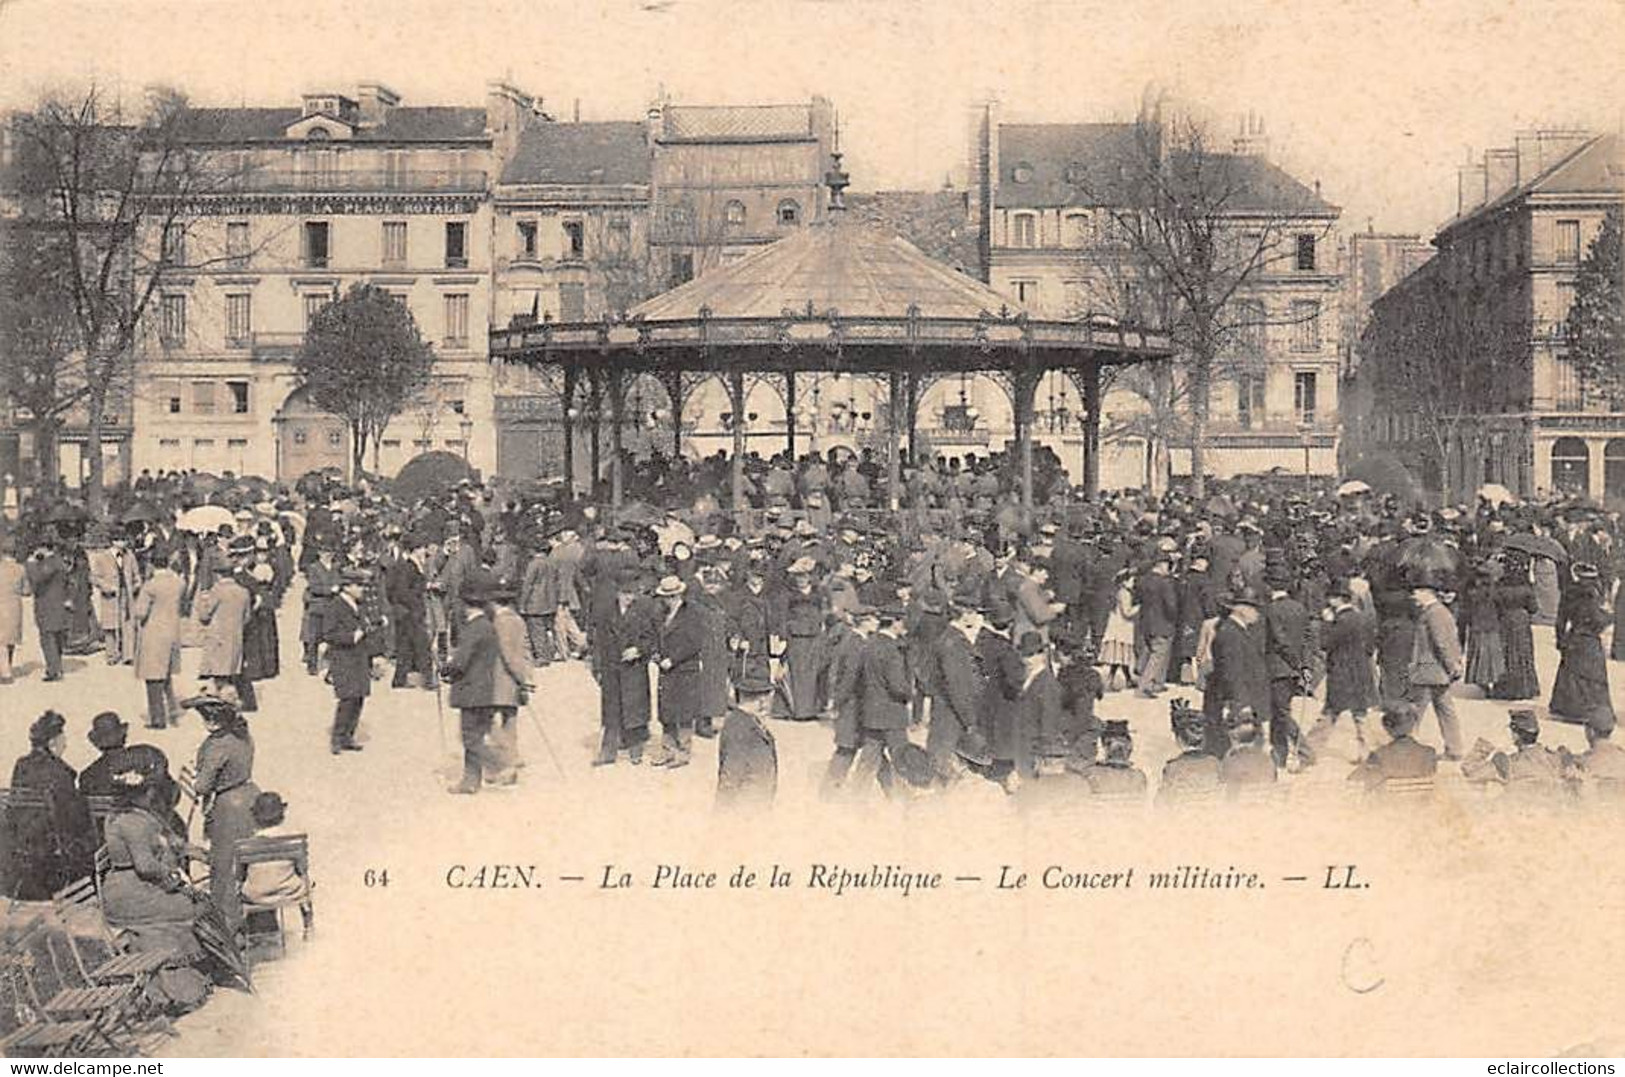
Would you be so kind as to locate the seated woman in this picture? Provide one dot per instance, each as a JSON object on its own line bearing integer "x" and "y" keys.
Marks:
{"x": 274, "y": 882}
{"x": 46, "y": 848}
{"x": 146, "y": 898}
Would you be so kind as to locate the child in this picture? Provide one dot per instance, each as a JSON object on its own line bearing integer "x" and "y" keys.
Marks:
{"x": 1117, "y": 643}
{"x": 275, "y": 882}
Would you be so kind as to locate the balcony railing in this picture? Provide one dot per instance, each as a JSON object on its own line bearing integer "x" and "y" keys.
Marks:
{"x": 418, "y": 180}
{"x": 275, "y": 347}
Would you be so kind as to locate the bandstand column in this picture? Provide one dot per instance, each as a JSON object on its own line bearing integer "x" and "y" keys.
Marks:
{"x": 913, "y": 378}
{"x": 571, "y": 375}
{"x": 617, "y": 408}
{"x": 894, "y": 427}
{"x": 1025, "y": 383}
{"x": 595, "y": 401}
{"x": 790, "y": 414}
{"x": 736, "y": 395}
{"x": 1091, "y": 426}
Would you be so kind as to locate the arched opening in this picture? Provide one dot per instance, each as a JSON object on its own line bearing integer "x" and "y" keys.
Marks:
{"x": 708, "y": 418}
{"x": 308, "y": 438}
{"x": 1613, "y": 459}
{"x": 1571, "y": 466}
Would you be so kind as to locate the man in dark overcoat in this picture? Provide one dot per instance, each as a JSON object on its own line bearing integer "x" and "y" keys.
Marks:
{"x": 625, "y": 630}
{"x": 349, "y": 665}
{"x": 683, "y": 631}
{"x": 472, "y": 672}
{"x": 48, "y": 581}
{"x": 1240, "y": 678}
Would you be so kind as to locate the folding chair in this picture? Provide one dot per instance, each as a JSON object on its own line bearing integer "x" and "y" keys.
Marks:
{"x": 101, "y": 810}
{"x": 24, "y": 1030}
{"x": 79, "y": 904}
{"x": 108, "y": 1008}
{"x": 1407, "y": 790}
{"x": 287, "y": 848}
{"x": 187, "y": 780}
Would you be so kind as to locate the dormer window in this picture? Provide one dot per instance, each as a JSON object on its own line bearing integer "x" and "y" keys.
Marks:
{"x": 324, "y": 105}
{"x": 1023, "y": 172}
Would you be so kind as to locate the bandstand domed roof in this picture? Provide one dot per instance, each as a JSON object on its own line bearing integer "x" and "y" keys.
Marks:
{"x": 855, "y": 269}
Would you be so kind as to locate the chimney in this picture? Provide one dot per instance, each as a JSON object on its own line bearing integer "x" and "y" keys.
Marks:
{"x": 982, "y": 177}
{"x": 1539, "y": 150}
{"x": 375, "y": 100}
{"x": 654, "y": 122}
{"x": 1469, "y": 189}
{"x": 1500, "y": 173}
{"x": 1251, "y": 141}
{"x": 507, "y": 110}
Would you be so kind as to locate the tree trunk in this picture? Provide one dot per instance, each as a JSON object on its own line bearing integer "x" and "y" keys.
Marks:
{"x": 1201, "y": 379}
{"x": 47, "y": 438}
{"x": 358, "y": 452}
{"x": 95, "y": 404}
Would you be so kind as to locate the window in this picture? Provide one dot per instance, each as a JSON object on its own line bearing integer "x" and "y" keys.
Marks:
{"x": 1306, "y": 253}
{"x": 239, "y": 397}
{"x": 203, "y": 397}
{"x": 1077, "y": 230}
{"x": 394, "y": 169}
{"x": 300, "y": 436}
{"x": 335, "y": 439}
{"x": 394, "y": 243}
{"x": 574, "y": 240}
{"x": 1303, "y": 396}
{"x": 682, "y": 268}
{"x": 456, "y": 245}
{"x": 527, "y": 240}
{"x": 1024, "y": 230}
{"x": 457, "y": 321}
{"x": 239, "y": 319}
{"x": 620, "y": 236}
{"x": 733, "y": 215}
{"x": 237, "y": 242}
{"x": 172, "y": 330}
{"x": 572, "y": 302}
{"x": 173, "y": 404}
{"x": 1077, "y": 298}
{"x": 1022, "y": 173}
{"x": 1565, "y": 301}
{"x": 457, "y": 406}
{"x": 321, "y": 166}
{"x": 1249, "y": 326}
{"x": 314, "y": 303}
{"x": 1026, "y": 291}
{"x": 789, "y": 212}
{"x": 1568, "y": 242}
{"x": 1250, "y": 405}
{"x": 1305, "y": 325}
{"x": 174, "y": 245}
{"x": 316, "y": 244}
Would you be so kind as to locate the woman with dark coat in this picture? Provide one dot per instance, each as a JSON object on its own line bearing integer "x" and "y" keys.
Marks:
{"x": 1515, "y": 601}
{"x": 1481, "y": 610}
{"x": 226, "y": 790}
{"x": 50, "y": 847}
{"x": 1581, "y": 689}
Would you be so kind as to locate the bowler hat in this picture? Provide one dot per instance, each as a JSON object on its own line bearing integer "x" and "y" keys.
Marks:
{"x": 1523, "y": 720}
{"x": 753, "y": 684}
{"x": 107, "y": 730}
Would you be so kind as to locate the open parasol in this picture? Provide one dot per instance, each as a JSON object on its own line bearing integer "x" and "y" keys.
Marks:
{"x": 142, "y": 512}
{"x": 1353, "y": 488}
{"x": 1496, "y": 494}
{"x": 206, "y": 519}
{"x": 428, "y": 475}
{"x": 1537, "y": 546}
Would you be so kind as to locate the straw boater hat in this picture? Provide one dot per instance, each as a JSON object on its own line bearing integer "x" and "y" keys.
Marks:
{"x": 670, "y": 587}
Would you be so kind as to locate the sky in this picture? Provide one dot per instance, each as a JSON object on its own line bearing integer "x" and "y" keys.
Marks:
{"x": 1380, "y": 100}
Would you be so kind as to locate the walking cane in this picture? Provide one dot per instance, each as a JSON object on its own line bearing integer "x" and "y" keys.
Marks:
{"x": 546, "y": 741}
{"x": 440, "y": 720}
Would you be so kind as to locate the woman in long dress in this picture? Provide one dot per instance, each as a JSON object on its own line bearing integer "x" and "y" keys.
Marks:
{"x": 1580, "y": 693}
{"x": 13, "y": 585}
{"x": 1515, "y": 600}
{"x": 225, "y": 788}
{"x": 146, "y": 897}
{"x": 1486, "y": 654}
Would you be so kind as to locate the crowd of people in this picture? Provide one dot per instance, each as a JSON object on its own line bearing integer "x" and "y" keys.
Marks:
{"x": 945, "y": 634}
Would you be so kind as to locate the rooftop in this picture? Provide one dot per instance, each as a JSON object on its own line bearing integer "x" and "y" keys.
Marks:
{"x": 737, "y": 123}
{"x": 402, "y": 123}
{"x": 609, "y": 154}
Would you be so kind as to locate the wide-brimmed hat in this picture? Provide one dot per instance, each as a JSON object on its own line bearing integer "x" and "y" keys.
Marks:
{"x": 107, "y": 730}
{"x": 214, "y": 704}
{"x": 241, "y": 546}
{"x": 1584, "y": 570}
{"x": 670, "y": 587}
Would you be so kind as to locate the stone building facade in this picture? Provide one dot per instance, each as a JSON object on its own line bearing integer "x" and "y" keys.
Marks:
{"x": 340, "y": 189}
{"x": 1507, "y": 264}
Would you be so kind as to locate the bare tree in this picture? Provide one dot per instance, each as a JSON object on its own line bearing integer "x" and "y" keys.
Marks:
{"x": 39, "y": 342}
{"x": 1197, "y": 231}
{"x": 115, "y": 189}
